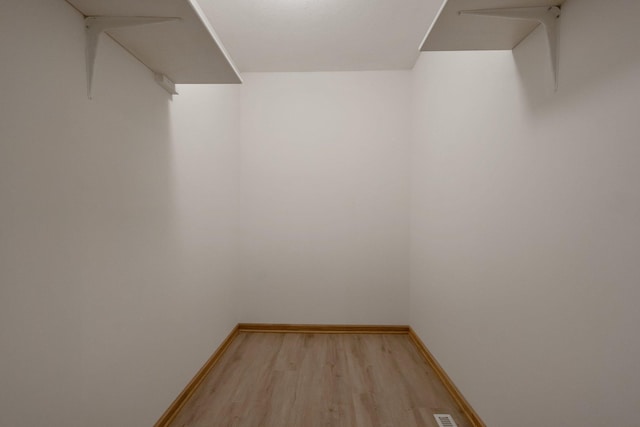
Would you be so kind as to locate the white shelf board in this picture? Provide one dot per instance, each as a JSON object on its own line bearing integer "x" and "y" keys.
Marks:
{"x": 453, "y": 31}
{"x": 185, "y": 50}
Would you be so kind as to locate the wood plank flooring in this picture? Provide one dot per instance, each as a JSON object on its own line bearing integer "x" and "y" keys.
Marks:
{"x": 309, "y": 380}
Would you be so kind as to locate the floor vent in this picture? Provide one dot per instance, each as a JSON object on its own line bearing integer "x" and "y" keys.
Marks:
{"x": 445, "y": 420}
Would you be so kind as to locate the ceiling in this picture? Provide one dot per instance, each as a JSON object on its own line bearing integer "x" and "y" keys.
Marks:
{"x": 321, "y": 35}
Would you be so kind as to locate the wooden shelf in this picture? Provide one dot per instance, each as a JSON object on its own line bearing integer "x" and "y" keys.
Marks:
{"x": 183, "y": 47}
{"x": 454, "y": 31}
{"x": 492, "y": 25}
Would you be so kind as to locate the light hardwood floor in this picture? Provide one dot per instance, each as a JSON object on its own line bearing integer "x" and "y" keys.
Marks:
{"x": 308, "y": 380}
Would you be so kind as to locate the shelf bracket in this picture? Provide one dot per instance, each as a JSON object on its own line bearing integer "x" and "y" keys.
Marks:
{"x": 547, "y": 16}
{"x": 96, "y": 25}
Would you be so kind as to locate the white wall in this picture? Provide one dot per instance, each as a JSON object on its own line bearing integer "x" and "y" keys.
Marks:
{"x": 118, "y": 223}
{"x": 525, "y": 222}
{"x": 118, "y": 219}
{"x": 325, "y": 197}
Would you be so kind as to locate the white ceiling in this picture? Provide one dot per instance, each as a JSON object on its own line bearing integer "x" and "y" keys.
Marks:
{"x": 321, "y": 35}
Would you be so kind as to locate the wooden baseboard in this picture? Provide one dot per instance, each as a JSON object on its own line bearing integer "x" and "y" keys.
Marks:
{"x": 466, "y": 408}
{"x": 323, "y": 329}
{"x": 171, "y": 412}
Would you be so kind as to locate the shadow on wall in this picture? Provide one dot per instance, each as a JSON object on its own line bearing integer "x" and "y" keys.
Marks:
{"x": 597, "y": 41}
{"x": 87, "y": 226}
{"x": 130, "y": 251}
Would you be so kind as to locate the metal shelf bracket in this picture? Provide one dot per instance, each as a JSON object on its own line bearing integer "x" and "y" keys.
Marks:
{"x": 546, "y": 16}
{"x": 96, "y": 25}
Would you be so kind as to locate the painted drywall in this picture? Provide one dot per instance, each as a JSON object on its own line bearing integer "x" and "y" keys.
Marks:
{"x": 526, "y": 222}
{"x": 119, "y": 219}
{"x": 327, "y": 35}
{"x": 324, "y": 200}
{"x": 118, "y": 223}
